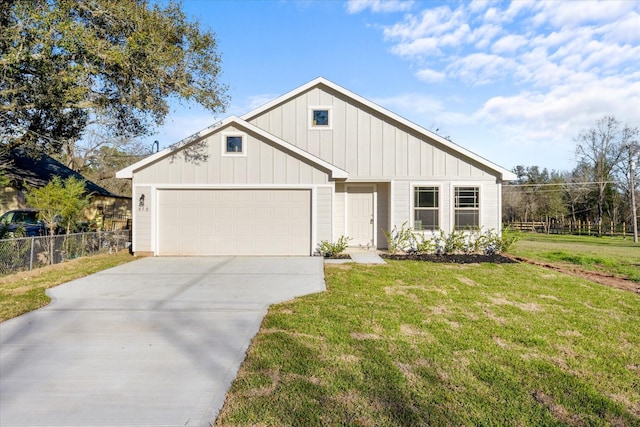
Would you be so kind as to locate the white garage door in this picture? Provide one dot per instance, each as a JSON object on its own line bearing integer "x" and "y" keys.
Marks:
{"x": 234, "y": 222}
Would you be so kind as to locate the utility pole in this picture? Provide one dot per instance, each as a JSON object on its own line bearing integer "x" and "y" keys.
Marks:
{"x": 632, "y": 188}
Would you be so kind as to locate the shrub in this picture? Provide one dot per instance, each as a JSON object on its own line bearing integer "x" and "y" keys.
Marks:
{"x": 454, "y": 242}
{"x": 507, "y": 240}
{"x": 458, "y": 241}
{"x": 424, "y": 244}
{"x": 328, "y": 249}
{"x": 400, "y": 240}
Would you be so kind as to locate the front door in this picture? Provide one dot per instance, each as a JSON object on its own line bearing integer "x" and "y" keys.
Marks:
{"x": 360, "y": 222}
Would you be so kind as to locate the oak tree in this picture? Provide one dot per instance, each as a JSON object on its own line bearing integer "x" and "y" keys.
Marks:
{"x": 67, "y": 64}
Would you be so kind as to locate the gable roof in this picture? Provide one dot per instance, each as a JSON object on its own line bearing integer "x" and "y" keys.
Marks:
{"x": 335, "y": 171}
{"x": 505, "y": 174}
{"x": 18, "y": 166}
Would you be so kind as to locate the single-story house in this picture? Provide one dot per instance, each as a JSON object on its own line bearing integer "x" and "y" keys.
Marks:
{"x": 24, "y": 171}
{"x": 315, "y": 164}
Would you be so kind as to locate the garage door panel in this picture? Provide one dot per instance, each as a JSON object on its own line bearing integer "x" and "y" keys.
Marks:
{"x": 234, "y": 222}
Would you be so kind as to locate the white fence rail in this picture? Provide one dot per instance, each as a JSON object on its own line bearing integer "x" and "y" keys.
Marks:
{"x": 27, "y": 253}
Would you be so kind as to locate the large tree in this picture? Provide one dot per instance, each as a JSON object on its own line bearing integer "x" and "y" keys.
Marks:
{"x": 600, "y": 149}
{"x": 67, "y": 64}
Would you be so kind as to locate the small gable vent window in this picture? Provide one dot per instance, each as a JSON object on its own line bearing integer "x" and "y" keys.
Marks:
{"x": 320, "y": 117}
{"x": 234, "y": 145}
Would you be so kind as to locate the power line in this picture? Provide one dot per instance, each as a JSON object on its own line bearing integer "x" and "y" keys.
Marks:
{"x": 560, "y": 183}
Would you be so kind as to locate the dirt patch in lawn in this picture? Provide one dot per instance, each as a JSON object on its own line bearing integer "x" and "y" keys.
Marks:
{"x": 594, "y": 276}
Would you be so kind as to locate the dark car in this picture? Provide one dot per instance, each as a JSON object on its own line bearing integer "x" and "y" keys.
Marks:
{"x": 25, "y": 220}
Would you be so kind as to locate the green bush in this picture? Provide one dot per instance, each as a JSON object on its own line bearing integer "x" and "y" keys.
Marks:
{"x": 424, "y": 244}
{"x": 328, "y": 249}
{"x": 402, "y": 240}
{"x": 457, "y": 242}
{"x": 508, "y": 239}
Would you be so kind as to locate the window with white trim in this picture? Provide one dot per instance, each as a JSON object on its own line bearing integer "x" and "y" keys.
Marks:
{"x": 320, "y": 117}
{"x": 426, "y": 213}
{"x": 234, "y": 144}
{"x": 467, "y": 208}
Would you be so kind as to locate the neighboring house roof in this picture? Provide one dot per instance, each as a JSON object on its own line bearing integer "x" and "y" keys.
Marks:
{"x": 233, "y": 120}
{"x": 321, "y": 81}
{"x": 21, "y": 168}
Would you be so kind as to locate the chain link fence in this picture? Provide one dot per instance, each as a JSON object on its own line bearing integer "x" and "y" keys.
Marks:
{"x": 27, "y": 253}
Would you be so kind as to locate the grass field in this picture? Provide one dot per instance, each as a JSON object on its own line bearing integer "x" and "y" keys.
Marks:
{"x": 25, "y": 291}
{"x": 616, "y": 256}
{"x": 414, "y": 343}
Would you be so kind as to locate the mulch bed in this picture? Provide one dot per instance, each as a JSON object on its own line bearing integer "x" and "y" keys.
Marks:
{"x": 341, "y": 256}
{"x": 453, "y": 258}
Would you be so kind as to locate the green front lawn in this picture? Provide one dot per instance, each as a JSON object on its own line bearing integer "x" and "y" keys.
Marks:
{"x": 414, "y": 343}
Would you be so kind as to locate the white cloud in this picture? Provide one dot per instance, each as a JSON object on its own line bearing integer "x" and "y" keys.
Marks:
{"x": 482, "y": 36}
{"x": 509, "y": 44}
{"x": 480, "y": 68}
{"x": 437, "y": 21}
{"x": 379, "y": 6}
{"x": 571, "y": 14}
{"x": 477, "y": 6}
{"x": 417, "y": 48}
{"x": 560, "y": 114}
{"x": 623, "y": 30}
{"x": 535, "y": 72}
{"x": 475, "y": 43}
{"x": 431, "y": 76}
{"x": 518, "y": 7}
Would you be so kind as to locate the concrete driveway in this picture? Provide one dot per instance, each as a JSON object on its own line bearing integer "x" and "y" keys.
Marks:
{"x": 156, "y": 342}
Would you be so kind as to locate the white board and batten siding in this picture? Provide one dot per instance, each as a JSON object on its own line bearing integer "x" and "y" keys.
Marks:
{"x": 374, "y": 148}
{"x": 365, "y": 143}
{"x": 264, "y": 163}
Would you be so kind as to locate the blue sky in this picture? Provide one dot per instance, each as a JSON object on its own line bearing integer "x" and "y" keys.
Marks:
{"x": 515, "y": 82}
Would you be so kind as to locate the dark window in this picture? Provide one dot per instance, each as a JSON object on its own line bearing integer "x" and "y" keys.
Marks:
{"x": 426, "y": 213}
{"x": 234, "y": 144}
{"x": 467, "y": 207}
{"x": 321, "y": 117}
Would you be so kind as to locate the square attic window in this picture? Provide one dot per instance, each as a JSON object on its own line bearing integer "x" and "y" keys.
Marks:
{"x": 234, "y": 144}
{"x": 321, "y": 117}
